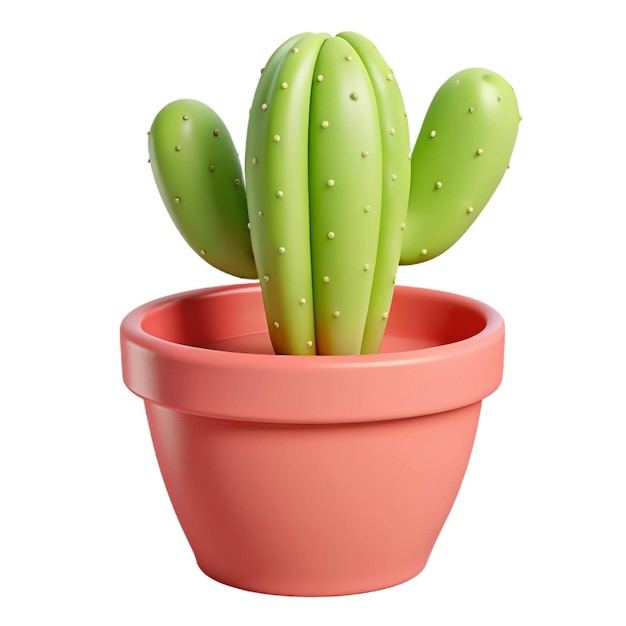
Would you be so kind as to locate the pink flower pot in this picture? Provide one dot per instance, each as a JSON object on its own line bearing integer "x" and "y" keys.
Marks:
{"x": 311, "y": 475}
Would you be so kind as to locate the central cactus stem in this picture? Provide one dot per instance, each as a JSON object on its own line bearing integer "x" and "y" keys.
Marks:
{"x": 327, "y": 173}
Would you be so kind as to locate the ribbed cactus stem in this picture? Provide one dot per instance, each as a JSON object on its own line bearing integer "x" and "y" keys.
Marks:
{"x": 396, "y": 180}
{"x": 277, "y": 177}
{"x": 328, "y": 181}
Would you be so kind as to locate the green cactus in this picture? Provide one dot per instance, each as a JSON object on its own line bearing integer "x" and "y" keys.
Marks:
{"x": 199, "y": 177}
{"x": 319, "y": 122}
{"x": 461, "y": 153}
{"x": 332, "y": 201}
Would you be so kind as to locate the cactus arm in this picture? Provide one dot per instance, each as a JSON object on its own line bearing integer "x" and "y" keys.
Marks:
{"x": 345, "y": 161}
{"x": 278, "y": 196}
{"x": 198, "y": 175}
{"x": 459, "y": 158}
{"x": 396, "y": 177}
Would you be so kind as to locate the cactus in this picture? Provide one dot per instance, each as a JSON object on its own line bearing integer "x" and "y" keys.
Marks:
{"x": 333, "y": 199}
{"x": 319, "y": 162}
{"x": 199, "y": 177}
{"x": 461, "y": 153}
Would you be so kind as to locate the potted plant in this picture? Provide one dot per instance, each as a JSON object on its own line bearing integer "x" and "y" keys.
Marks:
{"x": 312, "y": 437}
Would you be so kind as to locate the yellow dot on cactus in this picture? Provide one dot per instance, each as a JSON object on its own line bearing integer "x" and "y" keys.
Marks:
{"x": 276, "y": 325}
{"x": 326, "y": 279}
{"x": 202, "y": 252}
{"x": 185, "y": 117}
{"x": 266, "y": 278}
{"x": 456, "y": 83}
{"x": 394, "y": 178}
{"x": 319, "y": 78}
{"x": 237, "y": 182}
{"x": 264, "y": 106}
{"x": 302, "y": 301}
{"x": 178, "y": 148}
{"x": 366, "y": 267}
{"x": 276, "y": 138}
{"x": 433, "y": 133}
{"x": 385, "y": 315}
{"x": 211, "y": 168}
{"x": 331, "y": 183}
{"x": 392, "y": 131}
{"x": 479, "y": 151}
{"x": 336, "y": 313}
{"x": 325, "y": 124}
{"x": 472, "y": 109}
{"x": 284, "y": 85}
{"x": 389, "y": 76}
{"x": 295, "y": 50}
{"x": 331, "y": 235}
{"x": 255, "y": 161}
{"x": 281, "y": 250}
{"x": 354, "y": 95}
{"x": 348, "y": 57}
{"x": 216, "y": 132}
{"x": 438, "y": 184}
{"x": 249, "y": 227}
{"x": 261, "y": 214}
{"x": 367, "y": 208}
{"x": 365, "y": 154}
{"x": 279, "y": 194}
{"x": 176, "y": 200}
{"x": 402, "y": 226}
{"x": 424, "y": 252}
{"x": 309, "y": 344}
{"x": 470, "y": 209}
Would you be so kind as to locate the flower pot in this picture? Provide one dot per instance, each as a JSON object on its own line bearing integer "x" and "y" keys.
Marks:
{"x": 311, "y": 475}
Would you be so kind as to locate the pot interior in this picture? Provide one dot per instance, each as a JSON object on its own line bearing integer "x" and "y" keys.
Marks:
{"x": 217, "y": 321}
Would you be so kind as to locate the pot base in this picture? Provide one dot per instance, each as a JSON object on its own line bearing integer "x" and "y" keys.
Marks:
{"x": 312, "y": 510}
{"x": 353, "y": 588}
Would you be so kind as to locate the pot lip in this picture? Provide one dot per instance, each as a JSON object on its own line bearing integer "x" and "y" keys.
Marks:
{"x": 421, "y": 369}
{"x": 132, "y": 328}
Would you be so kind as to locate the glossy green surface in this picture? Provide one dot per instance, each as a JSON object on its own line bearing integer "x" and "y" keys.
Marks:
{"x": 328, "y": 177}
{"x": 460, "y": 156}
{"x": 278, "y": 192}
{"x": 199, "y": 177}
{"x": 333, "y": 199}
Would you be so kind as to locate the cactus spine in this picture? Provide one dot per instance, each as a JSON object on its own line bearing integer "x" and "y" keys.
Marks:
{"x": 333, "y": 203}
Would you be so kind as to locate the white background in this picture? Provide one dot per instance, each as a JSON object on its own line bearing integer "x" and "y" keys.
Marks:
{"x": 87, "y": 534}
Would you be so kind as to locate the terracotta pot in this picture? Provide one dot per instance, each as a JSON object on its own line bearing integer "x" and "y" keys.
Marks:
{"x": 311, "y": 475}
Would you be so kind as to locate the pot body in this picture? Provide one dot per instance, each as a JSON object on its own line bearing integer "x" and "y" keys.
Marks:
{"x": 308, "y": 475}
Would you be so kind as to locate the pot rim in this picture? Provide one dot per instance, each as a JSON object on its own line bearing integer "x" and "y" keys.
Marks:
{"x": 341, "y": 388}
